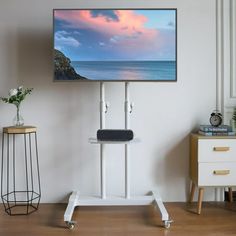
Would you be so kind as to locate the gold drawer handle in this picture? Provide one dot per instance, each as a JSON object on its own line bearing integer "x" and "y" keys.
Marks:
{"x": 221, "y": 149}
{"x": 221, "y": 172}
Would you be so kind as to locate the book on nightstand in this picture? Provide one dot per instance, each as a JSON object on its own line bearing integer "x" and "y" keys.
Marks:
{"x": 210, "y": 128}
{"x": 230, "y": 133}
{"x": 222, "y": 130}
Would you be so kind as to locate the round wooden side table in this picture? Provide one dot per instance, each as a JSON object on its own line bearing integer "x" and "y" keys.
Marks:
{"x": 20, "y": 178}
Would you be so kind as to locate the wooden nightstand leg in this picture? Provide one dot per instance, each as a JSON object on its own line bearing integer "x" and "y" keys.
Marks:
{"x": 230, "y": 195}
{"x": 200, "y": 197}
{"x": 193, "y": 187}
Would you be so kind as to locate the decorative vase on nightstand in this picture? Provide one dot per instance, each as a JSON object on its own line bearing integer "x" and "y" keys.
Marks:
{"x": 233, "y": 124}
{"x": 18, "y": 119}
{"x": 233, "y": 120}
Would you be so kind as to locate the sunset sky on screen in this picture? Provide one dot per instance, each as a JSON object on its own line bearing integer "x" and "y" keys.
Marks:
{"x": 92, "y": 35}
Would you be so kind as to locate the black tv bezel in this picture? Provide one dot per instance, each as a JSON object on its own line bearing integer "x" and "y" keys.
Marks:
{"x": 88, "y": 80}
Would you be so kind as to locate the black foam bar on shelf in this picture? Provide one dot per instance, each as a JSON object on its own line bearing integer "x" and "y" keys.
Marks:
{"x": 115, "y": 134}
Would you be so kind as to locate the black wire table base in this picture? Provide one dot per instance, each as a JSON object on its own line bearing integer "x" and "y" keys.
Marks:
{"x": 14, "y": 206}
{"x": 26, "y": 200}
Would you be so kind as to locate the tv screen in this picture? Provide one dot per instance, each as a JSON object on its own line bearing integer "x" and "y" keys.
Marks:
{"x": 115, "y": 44}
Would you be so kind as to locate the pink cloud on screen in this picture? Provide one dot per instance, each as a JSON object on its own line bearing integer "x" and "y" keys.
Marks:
{"x": 128, "y": 32}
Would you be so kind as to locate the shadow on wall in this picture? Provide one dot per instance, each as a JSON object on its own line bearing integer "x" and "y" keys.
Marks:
{"x": 174, "y": 169}
{"x": 35, "y": 57}
{"x": 34, "y": 63}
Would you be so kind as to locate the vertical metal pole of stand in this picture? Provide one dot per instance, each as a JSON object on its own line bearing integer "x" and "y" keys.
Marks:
{"x": 102, "y": 146}
{"x": 127, "y": 113}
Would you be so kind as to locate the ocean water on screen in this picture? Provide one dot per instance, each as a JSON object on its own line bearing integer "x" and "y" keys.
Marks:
{"x": 127, "y": 70}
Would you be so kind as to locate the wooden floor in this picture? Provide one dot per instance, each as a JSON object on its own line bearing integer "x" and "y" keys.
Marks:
{"x": 216, "y": 219}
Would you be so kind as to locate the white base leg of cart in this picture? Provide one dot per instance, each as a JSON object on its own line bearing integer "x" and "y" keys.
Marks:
{"x": 73, "y": 202}
{"x": 164, "y": 214}
{"x": 76, "y": 200}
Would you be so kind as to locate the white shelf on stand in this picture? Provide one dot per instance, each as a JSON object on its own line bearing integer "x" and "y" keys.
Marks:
{"x": 103, "y": 200}
{"x": 96, "y": 141}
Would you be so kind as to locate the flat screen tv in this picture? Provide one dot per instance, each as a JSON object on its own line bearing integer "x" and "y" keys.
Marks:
{"x": 115, "y": 44}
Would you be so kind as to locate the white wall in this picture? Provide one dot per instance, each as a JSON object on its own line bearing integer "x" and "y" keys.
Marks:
{"x": 67, "y": 114}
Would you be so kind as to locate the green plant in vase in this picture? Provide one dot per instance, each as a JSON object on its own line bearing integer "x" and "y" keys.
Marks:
{"x": 234, "y": 120}
{"x": 16, "y": 96}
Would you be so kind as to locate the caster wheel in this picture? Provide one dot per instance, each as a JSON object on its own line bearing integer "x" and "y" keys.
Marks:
{"x": 167, "y": 223}
{"x": 70, "y": 225}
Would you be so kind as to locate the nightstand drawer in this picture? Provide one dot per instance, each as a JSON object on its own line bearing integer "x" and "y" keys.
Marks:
{"x": 217, "y": 150}
{"x": 217, "y": 174}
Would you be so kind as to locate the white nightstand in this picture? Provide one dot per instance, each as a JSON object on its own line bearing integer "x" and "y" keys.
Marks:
{"x": 212, "y": 163}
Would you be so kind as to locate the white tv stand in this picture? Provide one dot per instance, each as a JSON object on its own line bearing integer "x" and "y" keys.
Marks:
{"x": 77, "y": 200}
